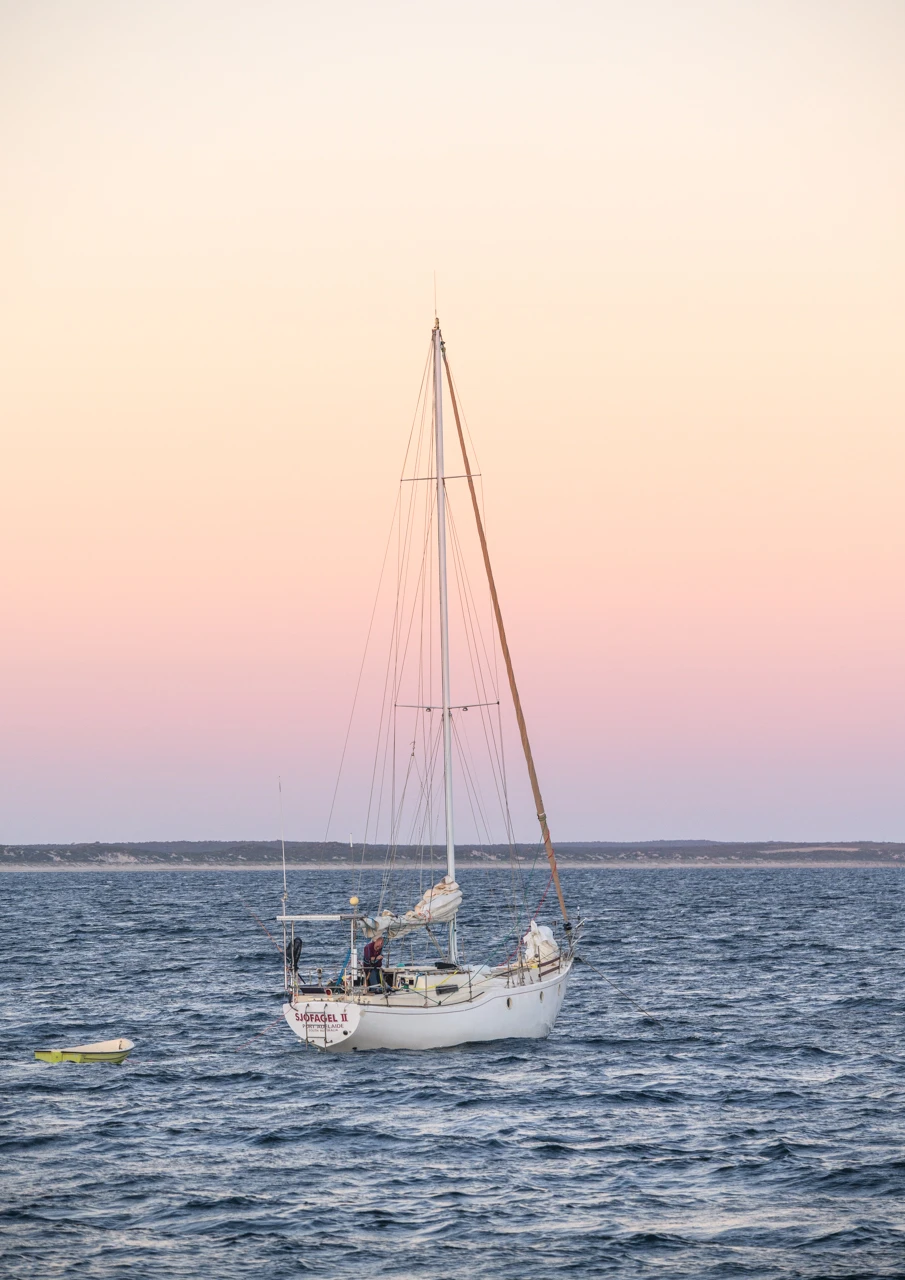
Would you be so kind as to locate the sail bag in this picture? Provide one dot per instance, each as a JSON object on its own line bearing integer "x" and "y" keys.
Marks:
{"x": 437, "y": 906}
{"x": 540, "y": 945}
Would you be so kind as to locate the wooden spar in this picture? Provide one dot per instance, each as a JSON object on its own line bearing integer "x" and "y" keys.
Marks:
{"x": 504, "y": 645}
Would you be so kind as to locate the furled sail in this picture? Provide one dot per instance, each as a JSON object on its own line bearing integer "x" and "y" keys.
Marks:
{"x": 438, "y": 906}
{"x": 540, "y": 945}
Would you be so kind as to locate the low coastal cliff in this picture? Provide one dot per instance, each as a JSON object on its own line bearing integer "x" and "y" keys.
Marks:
{"x": 248, "y": 854}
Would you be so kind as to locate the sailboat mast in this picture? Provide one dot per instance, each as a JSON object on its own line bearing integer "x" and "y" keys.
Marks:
{"x": 444, "y": 620}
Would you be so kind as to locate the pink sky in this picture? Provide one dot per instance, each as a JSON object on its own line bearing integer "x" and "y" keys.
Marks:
{"x": 669, "y": 247}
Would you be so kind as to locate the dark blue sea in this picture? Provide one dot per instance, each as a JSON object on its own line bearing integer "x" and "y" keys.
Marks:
{"x": 757, "y": 1130}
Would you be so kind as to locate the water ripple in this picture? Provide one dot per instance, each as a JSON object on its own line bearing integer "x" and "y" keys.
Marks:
{"x": 757, "y": 1132}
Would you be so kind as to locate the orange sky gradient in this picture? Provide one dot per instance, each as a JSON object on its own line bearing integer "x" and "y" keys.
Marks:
{"x": 671, "y": 266}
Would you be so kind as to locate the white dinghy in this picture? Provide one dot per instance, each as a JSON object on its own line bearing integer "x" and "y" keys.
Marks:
{"x": 438, "y": 1001}
{"x": 115, "y": 1051}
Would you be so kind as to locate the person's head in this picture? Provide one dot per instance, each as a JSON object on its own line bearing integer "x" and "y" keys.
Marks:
{"x": 378, "y": 942}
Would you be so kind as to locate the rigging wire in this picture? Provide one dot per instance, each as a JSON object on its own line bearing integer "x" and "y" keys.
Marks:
{"x": 402, "y": 560}
{"x": 376, "y": 599}
{"x": 364, "y": 656}
{"x": 386, "y": 726}
{"x": 477, "y": 673}
{"x": 494, "y": 648}
{"x": 471, "y": 790}
{"x": 387, "y": 714}
{"x": 283, "y": 843}
{"x": 520, "y": 886}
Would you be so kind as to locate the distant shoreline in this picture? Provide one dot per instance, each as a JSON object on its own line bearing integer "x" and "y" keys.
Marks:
{"x": 637, "y": 865}
{"x": 324, "y": 856}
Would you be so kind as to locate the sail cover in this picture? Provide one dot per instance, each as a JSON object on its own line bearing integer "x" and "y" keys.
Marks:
{"x": 437, "y": 906}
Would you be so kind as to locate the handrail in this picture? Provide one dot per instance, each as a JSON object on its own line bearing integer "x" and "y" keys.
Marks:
{"x": 292, "y": 919}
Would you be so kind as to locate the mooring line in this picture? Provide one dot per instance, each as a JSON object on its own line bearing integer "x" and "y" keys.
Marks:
{"x": 258, "y": 1033}
{"x": 262, "y": 924}
{"x": 625, "y": 994}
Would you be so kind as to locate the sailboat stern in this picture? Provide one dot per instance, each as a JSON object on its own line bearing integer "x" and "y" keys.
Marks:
{"x": 323, "y": 1024}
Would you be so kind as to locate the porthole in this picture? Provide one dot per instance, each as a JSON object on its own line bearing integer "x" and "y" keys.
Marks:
{"x": 509, "y": 1002}
{"x": 542, "y": 997}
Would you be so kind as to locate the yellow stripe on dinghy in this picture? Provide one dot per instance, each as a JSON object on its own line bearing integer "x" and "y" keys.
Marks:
{"x": 103, "y": 1051}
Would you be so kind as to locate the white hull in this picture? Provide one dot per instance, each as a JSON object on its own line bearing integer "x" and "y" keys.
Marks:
{"x": 498, "y": 1010}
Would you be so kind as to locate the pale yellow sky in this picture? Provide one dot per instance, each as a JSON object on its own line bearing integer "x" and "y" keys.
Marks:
{"x": 669, "y": 249}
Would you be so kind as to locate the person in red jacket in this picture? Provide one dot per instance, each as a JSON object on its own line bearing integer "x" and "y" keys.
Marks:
{"x": 373, "y": 962}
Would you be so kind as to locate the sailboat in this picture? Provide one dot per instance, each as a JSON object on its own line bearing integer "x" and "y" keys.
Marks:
{"x": 440, "y": 1001}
